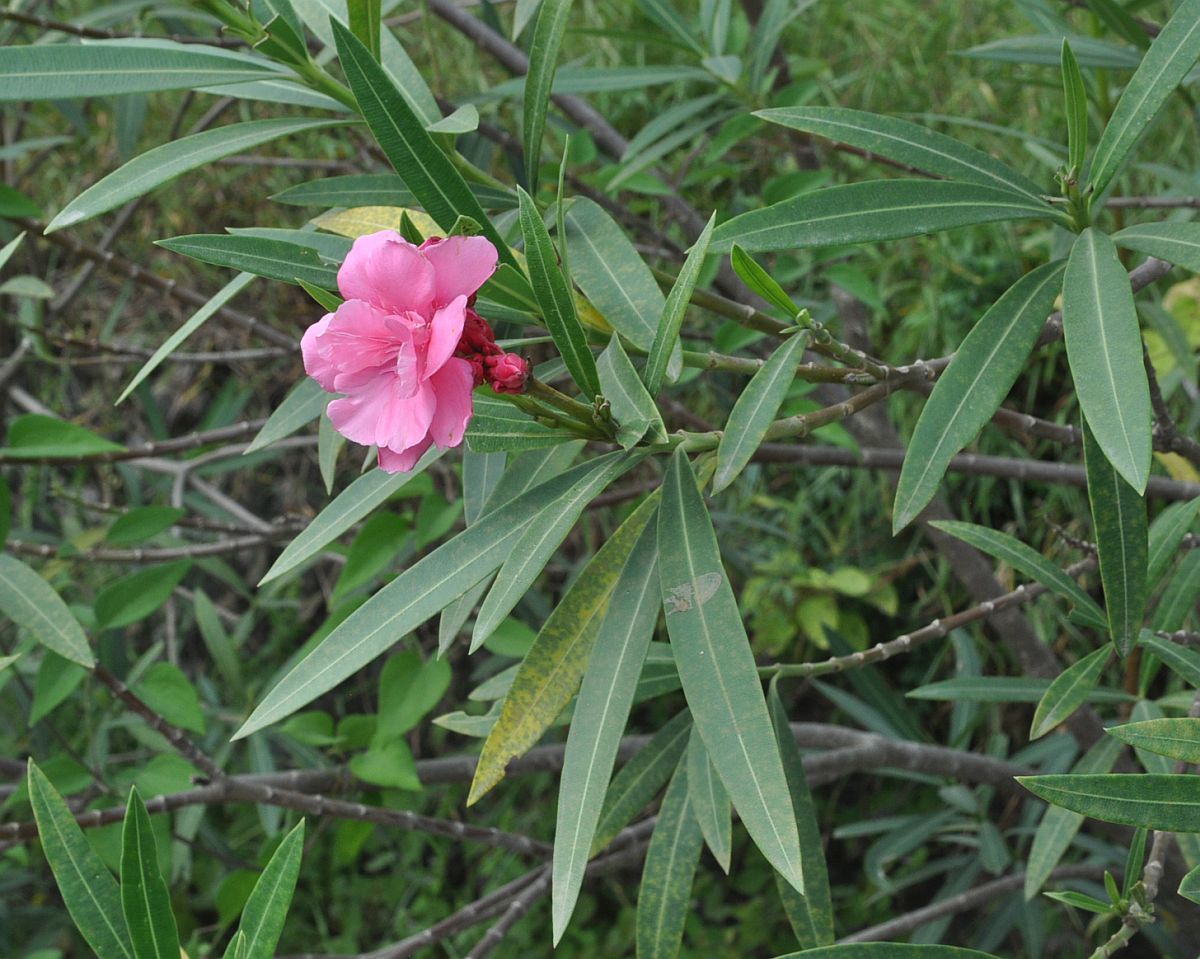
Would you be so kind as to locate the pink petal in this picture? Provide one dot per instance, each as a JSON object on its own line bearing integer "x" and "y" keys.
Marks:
{"x": 380, "y": 414}
{"x": 316, "y": 365}
{"x": 453, "y": 384}
{"x": 388, "y": 272}
{"x": 462, "y": 265}
{"x": 446, "y": 331}
{"x": 393, "y": 461}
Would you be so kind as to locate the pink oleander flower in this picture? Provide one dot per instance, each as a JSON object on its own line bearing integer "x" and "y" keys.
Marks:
{"x": 391, "y": 347}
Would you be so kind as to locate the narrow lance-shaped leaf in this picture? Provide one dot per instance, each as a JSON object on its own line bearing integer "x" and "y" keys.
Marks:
{"x": 867, "y": 212}
{"x": 301, "y": 406}
{"x": 970, "y": 390}
{"x": 274, "y": 259}
{"x": 425, "y": 169}
{"x": 1026, "y": 560}
{"x": 61, "y": 71}
{"x": 906, "y": 143}
{"x": 1104, "y": 348}
{"x": 1075, "y": 95}
{"x": 601, "y": 711}
{"x": 1068, "y": 692}
{"x": 632, "y": 406}
{"x": 1176, "y": 738}
{"x": 1166, "y": 533}
{"x": 31, "y": 603}
{"x": 548, "y": 32}
{"x": 1059, "y": 826}
{"x": 1179, "y": 598}
{"x": 536, "y": 546}
{"x": 665, "y": 893}
{"x": 755, "y": 409}
{"x": 265, "y": 911}
{"x": 641, "y": 778}
{"x": 1180, "y": 659}
{"x": 760, "y": 281}
{"x": 1177, "y": 243}
{"x": 88, "y": 888}
{"x": 709, "y": 802}
{"x": 552, "y": 669}
{"x": 674, "y": 310}
{"x": 406, "y": 602}
{"x": 364, "y": 17}
{"x": 554, "y": 297}
{"x": 164, "y": 163}
{"x": 1164, "y": 66}
{"x": 1166, "y": 803}
{"x": 718, "y": 672}
{"x": 888, "y": 950}
{"x": 1119, "y": 526}
{"x": 810, "y": 914}
{"x": 145, "y": 900}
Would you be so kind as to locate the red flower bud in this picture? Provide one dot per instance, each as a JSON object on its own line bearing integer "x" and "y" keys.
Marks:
{"x": 507, "y": 373}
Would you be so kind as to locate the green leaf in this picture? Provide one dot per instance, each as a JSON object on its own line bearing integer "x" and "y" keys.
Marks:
{"x": 1179, "y": 598}
{"x": 364, "y": 17}
{"x": 164, "y": 163}
{"x": 906, "y": 143}
{"x": 888, "y": 950}
{"x": 601, "y": 711}
{"x": 1104, "y": 348}
{"x": 1176, "y": 738}
{"x": 1189, "y": 886}
{"x": 36, "y": 435}
{"x": 31, "y": 603}
{"x": 1120, "y": 21}
{"x": 1024, "y": 559}
{"x": 667, "y": 334}
{"x": 274, "y": 259}
{"x": 407, "y": 601}
{"x": 194, "y": 322}
{"x": 145, "y": 900}
{"x": 134, "y": 597}
{"x": 1000, "y": 689}
{"x": 755, "y": 409}
{"x": 14, "y": 204}
{"x": 497, "y": 426}
{"x": 62, "y": 71}
{"x": 1059, "y": 826}
{"x": 970, "y": 390}
{"x": 1119, "y": 526}
{"x": 551, "y": 671}
{"x": 810, "y": 914}
{"x": 548, "y": 31}
{"x": 1162, "y": 69}
{"x": 1075, "y": 96}
{"x": 709, "y": 802}
{"x": 329, "y": 446}
{"x": 423, "y": 167}
{"x": 641, "y": 778}
{"x": 537, "y": 545}
{"x": 556, "y": 300}
{"x": 1167, "y": 803}
{"x": 166, "y": 690}
{"x": 303, "y": 404}
{"x": 867, "y": 212}
{"x": 57, "y": 679}
{"x": 142, "y": 523}
{"x": 1068, "y": 692}
{"x": 389, "y": 764}
{"x": 1177, "y": 243}
{"x": 632, "y": 407}
{"x": 612, "y": 275}
{"x": 718, "y": 672}
{"x": 408, "y": 689}
{"x": 1046, "y": 50}
{"x": 664, "y": 898}
{"x": 88, "y": 888}
{"x": 354, "y": 502}
{"x": 1166, "y": 533}
{"x": 761, "y": 282}
{"x": 265, "y": 911}
{"x": 376, "y": 189}
{"x": 1181, "y": 660}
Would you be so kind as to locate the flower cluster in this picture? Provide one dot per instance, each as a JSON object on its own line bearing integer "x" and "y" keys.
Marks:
{"x": 406, "y": 348}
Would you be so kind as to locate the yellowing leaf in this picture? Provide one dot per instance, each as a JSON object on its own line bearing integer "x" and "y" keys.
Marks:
{"x": 361, "y": 220}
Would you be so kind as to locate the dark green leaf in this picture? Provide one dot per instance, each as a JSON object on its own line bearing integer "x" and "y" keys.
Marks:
{"x": 1075, "y": 95}
{"x": 1163, "y": 802}
{"x": 632, "y": 406}
{"x": 364, "y": 19}
{"x": 761, "y": 282}
{"x": 145, "y": 900}
{"x": 1177, "y": 243}
{"x": 1176, "y": 738}
{"x": 548, "y": 31}
{"x": 265, "y": 911}
{"x": 667, "y": 335}
{"x": 274, "y": 259}
{"x": 136, "y": 596}
{"x": 1068, "y": 691}
{"x": 867, "y": 212}
{"x": 1119, "y": 526}
{"x": 31, "y": 603}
